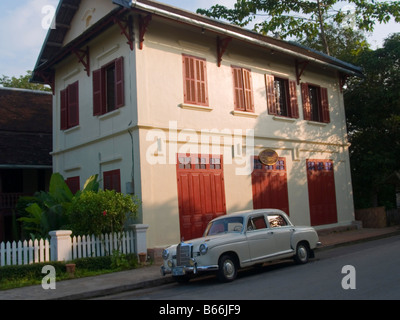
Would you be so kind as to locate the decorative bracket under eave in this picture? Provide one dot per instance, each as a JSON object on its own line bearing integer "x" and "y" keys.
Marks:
{"x": 143, "y": 24}
{"x": 126, "y": 26}
{"x": 84, "y": 58}
{"x": 222, "y": 45}
{"x": 300, "y": 67}
{"x": 48, "y": 78}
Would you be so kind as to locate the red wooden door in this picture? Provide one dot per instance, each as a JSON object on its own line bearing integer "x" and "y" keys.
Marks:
{"x": 201, "y": 193}
{"x": 321, "y": 192}
{"x": 270, "y": 186}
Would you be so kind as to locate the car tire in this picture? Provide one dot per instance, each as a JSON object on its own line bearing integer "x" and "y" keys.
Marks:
{"x": 227, "y": 270}
{"x": 302, "y": 253}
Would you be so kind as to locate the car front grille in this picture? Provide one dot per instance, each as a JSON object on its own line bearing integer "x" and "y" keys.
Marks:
{"x": 183, "y": 254}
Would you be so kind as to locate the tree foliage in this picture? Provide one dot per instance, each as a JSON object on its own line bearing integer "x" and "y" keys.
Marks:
{"x": 22, "y": 82}
{"x": 305, "y": 19}
{"x": 373, "y": 120}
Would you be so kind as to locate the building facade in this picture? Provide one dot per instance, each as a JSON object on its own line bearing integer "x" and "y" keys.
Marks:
{"x": 196, "y": 117}
{"x": 25, "y": 146}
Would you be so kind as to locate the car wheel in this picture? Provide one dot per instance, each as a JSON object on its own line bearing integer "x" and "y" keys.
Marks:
{"x": 227, "y": 270}
{"x": 302, "y": 253}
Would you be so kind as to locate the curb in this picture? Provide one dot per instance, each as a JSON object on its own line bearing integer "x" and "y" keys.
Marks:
{"x": 118, "y": 289}
{"x": 366, "y": 239}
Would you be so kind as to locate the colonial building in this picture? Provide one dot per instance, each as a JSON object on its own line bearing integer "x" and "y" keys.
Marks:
{"x": 197, "y": 117}
{"x": 25, "y": 146}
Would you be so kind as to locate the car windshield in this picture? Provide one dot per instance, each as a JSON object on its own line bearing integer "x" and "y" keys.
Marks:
{"x": 229, "y": 224}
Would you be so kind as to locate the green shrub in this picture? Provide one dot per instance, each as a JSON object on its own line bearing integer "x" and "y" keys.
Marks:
{"x": 121, "y": 260}
{"x": 101, "y": 212}
{"x": 47, "y": 211}
{"x": 31, "y": 271}
{"x": 93, "y": 264}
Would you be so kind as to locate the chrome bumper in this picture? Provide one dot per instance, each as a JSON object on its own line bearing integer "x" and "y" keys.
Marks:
{"x": 187, "y": 270}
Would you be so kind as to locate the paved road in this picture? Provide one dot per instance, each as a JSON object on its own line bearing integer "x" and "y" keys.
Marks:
{"x": 376, "y": 275}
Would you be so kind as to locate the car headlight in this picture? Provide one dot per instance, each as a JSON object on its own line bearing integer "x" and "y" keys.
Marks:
{"x": 203, "y": 248}
{"x": 165, "y": 254}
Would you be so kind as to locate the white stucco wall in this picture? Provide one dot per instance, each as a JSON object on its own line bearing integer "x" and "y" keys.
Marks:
{"x": 154, "y": 97}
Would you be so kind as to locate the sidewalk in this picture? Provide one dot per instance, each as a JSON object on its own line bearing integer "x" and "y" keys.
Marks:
{"x": 149, "y": 276}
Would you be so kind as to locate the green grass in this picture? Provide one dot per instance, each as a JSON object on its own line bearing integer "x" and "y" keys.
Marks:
{"x": 28, "y": 275}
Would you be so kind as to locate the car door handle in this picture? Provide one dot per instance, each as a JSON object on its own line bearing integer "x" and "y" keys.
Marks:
{"x": 271, "y": 232}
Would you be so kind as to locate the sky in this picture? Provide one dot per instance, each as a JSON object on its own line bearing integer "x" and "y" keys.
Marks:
{"x": 23, "y": 25}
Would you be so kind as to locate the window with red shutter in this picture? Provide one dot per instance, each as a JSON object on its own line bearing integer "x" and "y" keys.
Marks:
{"x": 315, "y": 103}
{"x": 248, "y": 91}
{"x": 119, "y": 83}
{"x": 73, "y": 105}
{"x": 281, "y": 97}
{"x": 112, "y": 180}
{"x": 294, "y": 105}
{"x": 271, "y": 99}
{"x": 109, "y": 87}
{"x": 64, "y": 110}
{"x": 74, "y": 184}
{"x": 243, "y": 91}
{"x": 195, "y": 80}
{"x": 306, "y": 101}
{"x": 69, "y": 106}
{"x": 98, "y": 96}
{"x": 325, "y": 105}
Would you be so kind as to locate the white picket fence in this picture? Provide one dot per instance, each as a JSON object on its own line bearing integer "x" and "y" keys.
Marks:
{"x": 25, "y": 252}
{"x": 91, "y": 246}
{"x": 28, "y": 252}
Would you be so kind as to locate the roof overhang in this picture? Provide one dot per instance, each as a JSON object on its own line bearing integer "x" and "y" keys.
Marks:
{"x": 52, "y": 51}
{"x": 288, "y": 48}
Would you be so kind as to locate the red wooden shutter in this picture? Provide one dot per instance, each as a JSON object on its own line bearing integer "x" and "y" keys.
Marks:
{"x": 248, "y": 91}
{"x": 325, "y": 105}
{"x": 63, "y": 113}
{"x": 119, "y": 83}
{"x": 98, "y": 100}
{"x": 294, "y": 106}
{"x": 195, "y": 80}
{"x": 201, "y": 82}
{"x": 112, "y": 180}
{"x": 238, "y": 88}
{"x": 116, "y": 180}
{"x": 269, "y": 83}
{"x": 73, "y": 184}
{"x": 306, "y": 101}
{"x": 189, "y": 79}
{"x": 73, "y": 104}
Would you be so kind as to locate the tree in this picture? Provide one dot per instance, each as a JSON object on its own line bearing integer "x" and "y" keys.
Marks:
{"x": 373, "y": 119}
{"x": 22, "y": 82}
{"x": 306, "y": 19}
{"x": 47, "y": 211}
{"x": 344, "y": 43}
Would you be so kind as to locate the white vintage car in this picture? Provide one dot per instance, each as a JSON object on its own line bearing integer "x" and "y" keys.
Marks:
{"x": 240, "y": 240}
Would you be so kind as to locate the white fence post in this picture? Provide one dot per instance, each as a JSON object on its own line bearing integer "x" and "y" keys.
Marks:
{"x": 140, "y": 235}
{"x": 61, "y": 245}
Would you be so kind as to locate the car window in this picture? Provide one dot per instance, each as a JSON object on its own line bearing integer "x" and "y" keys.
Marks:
{"x": 256, "y": 223}
{"x": 229, "y": 224}
{"x": 276, "y": 220}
